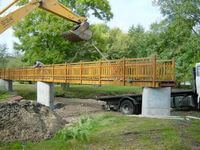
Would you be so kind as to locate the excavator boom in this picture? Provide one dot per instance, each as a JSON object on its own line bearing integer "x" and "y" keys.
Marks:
{"x": 81, "y": 32}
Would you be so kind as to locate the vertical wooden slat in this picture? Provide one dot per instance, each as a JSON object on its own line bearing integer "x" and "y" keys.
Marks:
{"x": 65, "y": 72}
{"x": 53, "y": 73}
{"x": 4, "y": 73}
{"x": 154, "y": 70}
{"x": 9, "y": 74}
{"x": 34, "y": 75}
{"x": 124, "y": 71}
{"x": 81, "y": 72}
{"x": 26, "y": 74}
{"x": 100, "y": 72}
{"x": 173, "y": 69}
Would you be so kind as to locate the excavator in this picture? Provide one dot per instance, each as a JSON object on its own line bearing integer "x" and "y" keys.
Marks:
{"x": 79, "y": 33}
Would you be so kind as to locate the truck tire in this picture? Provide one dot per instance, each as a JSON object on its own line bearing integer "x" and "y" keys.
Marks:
{"x": 127, "y": 107}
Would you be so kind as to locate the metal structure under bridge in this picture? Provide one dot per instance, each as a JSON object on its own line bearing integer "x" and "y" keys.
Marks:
{"x": 144, "y": 72}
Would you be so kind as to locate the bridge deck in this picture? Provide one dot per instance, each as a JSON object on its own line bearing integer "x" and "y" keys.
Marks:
{"x": 144, "y": 72}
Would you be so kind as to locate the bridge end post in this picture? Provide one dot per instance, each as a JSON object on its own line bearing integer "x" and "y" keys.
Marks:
{"x": 156, "y": 102}
{"x": 6, "y": 85}
{"x": 45, "y": 94}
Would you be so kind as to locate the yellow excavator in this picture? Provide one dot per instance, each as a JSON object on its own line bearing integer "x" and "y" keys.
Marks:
{"x": 79, "y": 33}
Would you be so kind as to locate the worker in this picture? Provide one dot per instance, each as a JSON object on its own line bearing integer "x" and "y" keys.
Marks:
{"x": 38, "y": 64}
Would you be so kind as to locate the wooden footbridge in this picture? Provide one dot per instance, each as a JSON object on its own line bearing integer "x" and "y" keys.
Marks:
{"x": 144, "y": 72}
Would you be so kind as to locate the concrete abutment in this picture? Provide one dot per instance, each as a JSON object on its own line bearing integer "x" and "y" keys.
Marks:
{"x": 156, "y": 101}
{"x": 45, "y": 94}
{"x": 6, "y": 85}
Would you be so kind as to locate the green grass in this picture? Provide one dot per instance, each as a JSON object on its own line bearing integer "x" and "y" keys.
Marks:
{"x": 118, "y": 132}
{"x": 28, "y": 91}
{"x": 5, "y": 95}
{"x": 195, "y": 130}
{"x": 90, "y": 91}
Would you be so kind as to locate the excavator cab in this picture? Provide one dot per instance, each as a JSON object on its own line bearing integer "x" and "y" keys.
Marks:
{"x": 79, "y": 33}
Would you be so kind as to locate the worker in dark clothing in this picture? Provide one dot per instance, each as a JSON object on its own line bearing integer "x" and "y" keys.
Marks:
{"x": 38, "y": 64}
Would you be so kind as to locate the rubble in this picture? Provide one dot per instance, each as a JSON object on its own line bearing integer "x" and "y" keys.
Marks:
{"x": 27, "y": 120}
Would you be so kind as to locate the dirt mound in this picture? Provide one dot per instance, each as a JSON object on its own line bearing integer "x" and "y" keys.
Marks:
{"x": 27, "y": 120}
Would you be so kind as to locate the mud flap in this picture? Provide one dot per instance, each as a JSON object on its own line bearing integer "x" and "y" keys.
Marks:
{"x": 79, "y": 33}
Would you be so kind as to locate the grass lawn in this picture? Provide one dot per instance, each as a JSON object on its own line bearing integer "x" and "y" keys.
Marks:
{"x": 5, "y": 95}
{"x": 28, "y": 91}
{"x": 117, "y": 132}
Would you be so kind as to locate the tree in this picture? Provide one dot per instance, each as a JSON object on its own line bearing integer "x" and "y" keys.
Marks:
{"x": 189, "y": 10}
{"x": 138, "y": 42}
{"x": 15, "y": 60}
{"x": 180, "y": 36}
{"x": 40, "y": 32}
{"x": 3, "y": 55}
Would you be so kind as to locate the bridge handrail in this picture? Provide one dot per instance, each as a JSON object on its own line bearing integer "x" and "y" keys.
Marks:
{"x": 123, "y": 71}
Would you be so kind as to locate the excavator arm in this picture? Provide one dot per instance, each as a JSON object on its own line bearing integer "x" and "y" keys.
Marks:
{"x": 81, "y": 32}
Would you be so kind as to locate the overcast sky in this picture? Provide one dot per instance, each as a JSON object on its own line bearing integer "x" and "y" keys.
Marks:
{"x": 126, "y": 13}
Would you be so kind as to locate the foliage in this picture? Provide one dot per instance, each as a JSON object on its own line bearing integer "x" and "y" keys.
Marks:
{"x": 15, "y": 62}
{"x": 187, "y": 10}
{"x": 27, "y": 91}
{"x": 3, "y": 55}
{"x": 8, "y": 60}
{"x": 4, "y": 95}
{"x": 180, "y": 37}
{"x": 40, "y": 34}
{"x": 79, "y": 131}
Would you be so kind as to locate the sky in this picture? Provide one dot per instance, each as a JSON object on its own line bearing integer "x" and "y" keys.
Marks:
{"x": 126, "y": 13}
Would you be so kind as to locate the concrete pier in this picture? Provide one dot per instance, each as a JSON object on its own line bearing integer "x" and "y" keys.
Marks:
{"x": 45, "y": 94}
{"x": 156, "y": 101}
{"x": 6, "y": 85}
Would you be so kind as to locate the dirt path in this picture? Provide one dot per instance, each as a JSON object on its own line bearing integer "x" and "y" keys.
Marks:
{"x": 72, "y": 109}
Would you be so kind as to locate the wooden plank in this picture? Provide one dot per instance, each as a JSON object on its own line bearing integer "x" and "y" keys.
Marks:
{"x": 154, "y": 70}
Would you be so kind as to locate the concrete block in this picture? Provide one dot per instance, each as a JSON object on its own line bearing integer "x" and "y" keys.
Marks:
{"x": 45, "y": 94}
{"x": 6, "y": 85}
{"x": 2, "y": 86}
{"x": 156, "y": 101}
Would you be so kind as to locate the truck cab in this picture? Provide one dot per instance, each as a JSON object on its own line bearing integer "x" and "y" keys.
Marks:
{"x": 197, "y": 83}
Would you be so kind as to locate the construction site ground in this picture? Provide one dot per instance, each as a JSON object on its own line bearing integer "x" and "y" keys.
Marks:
{"x": 72, "y": 109}
{"x": 109, "y": 130}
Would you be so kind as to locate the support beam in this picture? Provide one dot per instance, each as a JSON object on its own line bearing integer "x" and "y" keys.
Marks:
{"x": 6, "y": 85}
{"x": 156, "y": 101}
{"x": 45, "y": 94}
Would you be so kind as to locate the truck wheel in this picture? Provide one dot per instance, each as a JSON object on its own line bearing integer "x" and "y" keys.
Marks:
{"x": 127, "y": 107}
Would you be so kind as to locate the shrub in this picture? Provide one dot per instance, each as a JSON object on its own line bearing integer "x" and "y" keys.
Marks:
{"x": 80, "y": 130}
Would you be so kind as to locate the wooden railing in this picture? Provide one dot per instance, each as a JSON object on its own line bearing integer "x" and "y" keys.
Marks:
{"x": 145, "y": 72}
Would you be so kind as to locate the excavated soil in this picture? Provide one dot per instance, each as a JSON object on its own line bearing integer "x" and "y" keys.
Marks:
{"x": 27, "y": 120}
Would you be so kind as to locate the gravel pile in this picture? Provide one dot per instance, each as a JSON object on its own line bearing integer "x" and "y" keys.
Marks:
{"x": 27, "y": 120}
